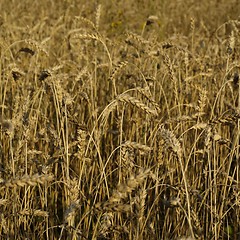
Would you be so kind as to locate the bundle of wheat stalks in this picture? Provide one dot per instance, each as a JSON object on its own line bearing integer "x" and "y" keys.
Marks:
{"x": 117, "y": 122}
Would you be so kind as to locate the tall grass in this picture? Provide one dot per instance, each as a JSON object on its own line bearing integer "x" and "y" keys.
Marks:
{"x": 119, "y": 121}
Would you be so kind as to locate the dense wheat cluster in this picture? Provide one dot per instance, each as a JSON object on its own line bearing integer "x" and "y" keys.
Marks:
{"x": 119, "y": 119}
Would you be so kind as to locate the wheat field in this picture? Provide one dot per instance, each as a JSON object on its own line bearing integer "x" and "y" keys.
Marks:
{"x": 119, "y": 119}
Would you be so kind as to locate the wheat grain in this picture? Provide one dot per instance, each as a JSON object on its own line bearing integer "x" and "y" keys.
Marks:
{"x": 124, "y": 189}
{"x": 27, "y": 180}
{"x": 117, "y": 69}
{"x": 34, "y": 212}
{"x": 98, "y": 14}
{"x": 137, "y": 103}
{"x": 127, "y": 159}
{"x": 171, "y": 142}
{"x": 137, "y": 146}
{"x": 106, "y": 223}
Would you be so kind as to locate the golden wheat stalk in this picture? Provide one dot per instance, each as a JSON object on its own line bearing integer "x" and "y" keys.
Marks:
{"x": 121, "y": 192}
{"x": 137, "y": 146}
{"x": 93, "y": 36}
{"x": 106, "y": 223}
{"x": 98, "y": 14}
{"x": 27, "y": 180}
{"x": 124, "y": 189}
{"x": 34, "y": 212}
{"x": 137, "y": 103}
{"x": 117, "y": 69}
{"x": 171, "y": 142}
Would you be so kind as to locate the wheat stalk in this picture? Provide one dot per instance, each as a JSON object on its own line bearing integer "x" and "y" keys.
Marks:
{"x": 171, "y": 142}
{"x": 98, "y": 14}
{"x": 137, "y": 146}
{"x": 137, "y": 103}
{"x": 122, "y": 191}
{"x": 34, "y": 212}
{"x": 27, "y": 180}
